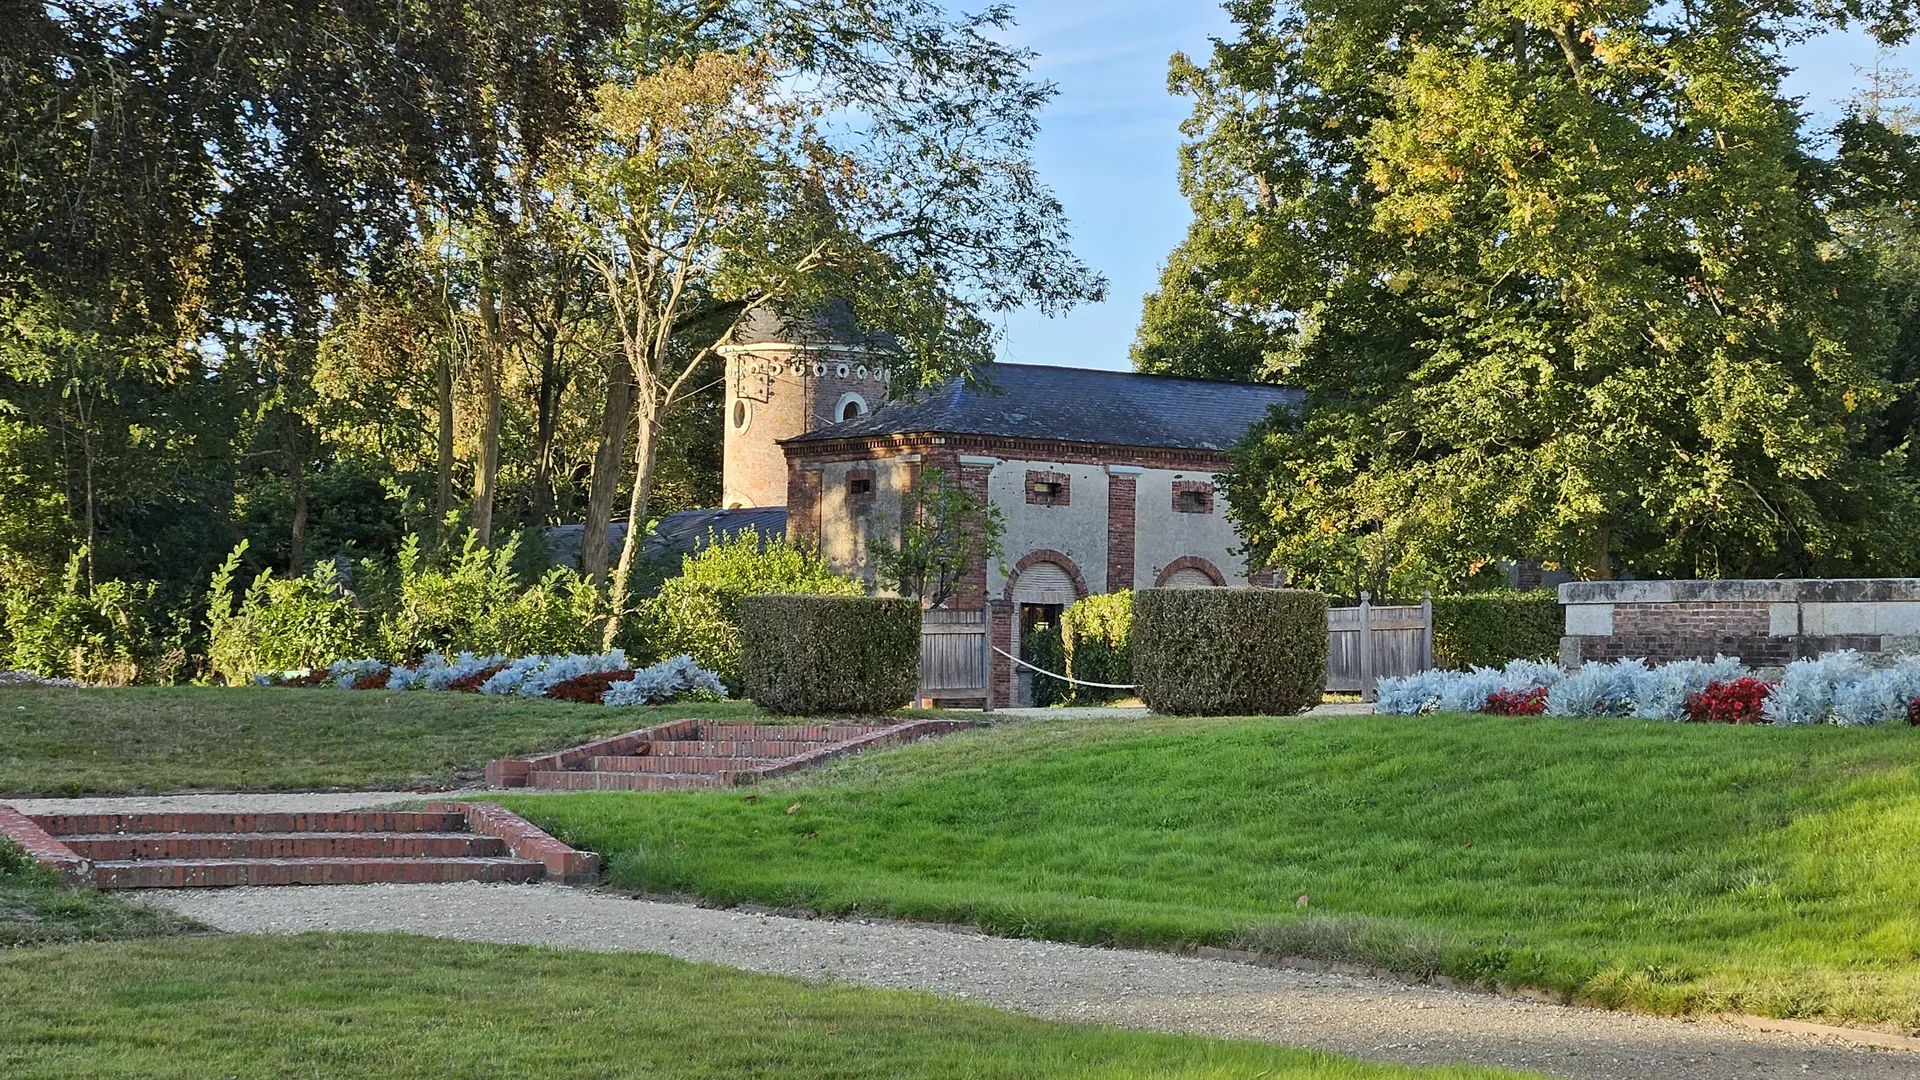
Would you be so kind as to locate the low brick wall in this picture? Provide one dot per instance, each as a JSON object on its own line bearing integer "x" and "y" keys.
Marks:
{"x": 1765, "y": 623}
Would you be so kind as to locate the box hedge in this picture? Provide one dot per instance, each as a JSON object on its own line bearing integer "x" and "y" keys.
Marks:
{"x": 1093, "y": 643}
{"x": 1489, "y": 629}
{"x": 819, "y": 655}
{"x": 1229, "y": 652}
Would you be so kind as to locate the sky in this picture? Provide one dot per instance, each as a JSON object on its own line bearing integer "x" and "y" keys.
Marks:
{"x": 1108, "y": 147}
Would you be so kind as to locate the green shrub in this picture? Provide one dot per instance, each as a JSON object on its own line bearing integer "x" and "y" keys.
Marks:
{"x": 1230, "y": 652}
{"x": 113, "y": 632}
{"x": 1044, "y": 648}
{"x": 1097, "y": 640}
{"x": 820, "y": 655}
{"x": 281, "y": 623}
{"x": 478, "y": 602}
{"x": 697, "y": 613}
{"x": 15, "y": 864}
{"x": 1489, "y": 629}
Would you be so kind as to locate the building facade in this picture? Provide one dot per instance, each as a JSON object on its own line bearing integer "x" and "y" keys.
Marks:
{"x": 1105, "y": 480}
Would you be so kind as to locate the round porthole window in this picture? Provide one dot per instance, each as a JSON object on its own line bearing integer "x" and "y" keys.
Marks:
{"x": 742, "y": 415}
{"x": 860, "y": 372}
{"x": 841, "y": 371}
{"x": 819, "y": 369}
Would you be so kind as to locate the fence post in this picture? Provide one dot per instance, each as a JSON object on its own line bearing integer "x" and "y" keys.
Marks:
{"x": 1366, "y": 647}
{"x": 1426, "y": 631}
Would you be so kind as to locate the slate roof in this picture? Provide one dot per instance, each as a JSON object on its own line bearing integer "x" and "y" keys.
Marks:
{"x": 677, "y": 534}
{"x": 832, "y": 324}
{"x": 1033, "y": 401}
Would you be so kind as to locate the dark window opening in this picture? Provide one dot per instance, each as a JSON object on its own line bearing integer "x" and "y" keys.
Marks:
{"x": 851, "y": 411}
{"x": 1036, "y": 617}
{"x": 861, "y": 486}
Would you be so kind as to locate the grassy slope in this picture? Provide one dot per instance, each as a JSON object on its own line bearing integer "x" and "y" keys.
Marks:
{"x": 266, "y": 739}
{"x": 1668, "y": 867}
{"x": 391, "y": 1007}
{"x": 36, "y": 910}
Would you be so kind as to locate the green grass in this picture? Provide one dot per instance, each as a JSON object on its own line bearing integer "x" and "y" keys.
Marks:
{"x": 390, "y": 1007}
{"x": 150, "y": 739}
{"x": 36, "y": 910}
{"x": 1658, "y": 866}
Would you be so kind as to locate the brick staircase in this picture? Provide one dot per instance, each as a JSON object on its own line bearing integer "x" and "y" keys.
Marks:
{"x": 444, "y": 842}
{"x": 703, "y": 754}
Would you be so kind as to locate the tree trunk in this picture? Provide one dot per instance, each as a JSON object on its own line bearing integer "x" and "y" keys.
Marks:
{"x": 553, "y": 383}
{"x": 608, "y": 458}
{"x": 487, "y": 474}
{"x": 297, "y": 485}
{"x": 645, "y": 449}
{"x": 443, "y": 468}
{"x": 1600, "y": 553}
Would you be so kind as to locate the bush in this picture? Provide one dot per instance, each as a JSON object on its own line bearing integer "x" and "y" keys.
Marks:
{"x": 1517, "y": 702}
{"x": 1045, "y": 649}
{"x": 281, "y": 623}
{"x": 113, "y": 632}
{"x": 1096, "y": 640}
{"x": 1488, "y": 629}
{"x": 698, "y": 612}
{"x": 1738, "y": 702}
{"x": 1226, "y": 652}
{"x": 478, "y": 601}
{"x": 814, "y": 655}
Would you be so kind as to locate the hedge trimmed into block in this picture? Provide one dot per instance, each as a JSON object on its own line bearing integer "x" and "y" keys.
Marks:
{"x": 1489, "y": 629}
{"x": 1230, "y": 652}
{"x": 820, "y": 655}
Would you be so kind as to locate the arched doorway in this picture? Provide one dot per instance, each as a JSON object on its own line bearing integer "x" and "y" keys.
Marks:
{"x": 1042, "y": 585}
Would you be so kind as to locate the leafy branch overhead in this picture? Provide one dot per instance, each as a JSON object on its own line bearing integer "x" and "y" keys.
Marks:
{"x": 1574, "y": 283}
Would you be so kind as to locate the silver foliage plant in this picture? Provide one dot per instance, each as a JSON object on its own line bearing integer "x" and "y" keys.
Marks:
{"x": 447, "y": 672}
{"x": 559, "y": 669}
{"x": 668, "y": 680}
{"x": 1805, "y": 694}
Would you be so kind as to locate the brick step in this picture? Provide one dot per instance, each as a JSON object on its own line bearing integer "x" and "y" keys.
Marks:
{"x": 309, "y": 845}
{"x": 830, "y": 733}
{"x": 715, "y": 748}
{"x": 221, "y": 873}
{"x": 403, "y": 821}
{"x": 569, "y": 780}
{"x": 720, "y": 766}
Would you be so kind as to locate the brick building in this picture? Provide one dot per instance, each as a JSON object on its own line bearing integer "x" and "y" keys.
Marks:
{"x": 1105, "y": 479}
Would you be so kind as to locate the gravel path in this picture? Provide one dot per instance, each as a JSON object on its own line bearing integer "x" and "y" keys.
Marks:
{"x": 1368, "y": 1018}
{"x": 316, "y": 802}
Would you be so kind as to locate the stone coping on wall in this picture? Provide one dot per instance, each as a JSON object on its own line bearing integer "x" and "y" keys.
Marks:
{"x": 1765, "y": 591}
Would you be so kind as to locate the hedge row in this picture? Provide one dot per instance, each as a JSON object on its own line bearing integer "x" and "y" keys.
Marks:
{"x": 1229, "y": 652}
{"x": 1489, "y": 629}
{"x": 819, "y": 655}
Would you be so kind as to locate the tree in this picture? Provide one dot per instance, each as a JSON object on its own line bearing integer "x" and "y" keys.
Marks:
{"x": 783, "y": 175}
{"x": 1558, "y": 284}
{"x": 945, "y": 532}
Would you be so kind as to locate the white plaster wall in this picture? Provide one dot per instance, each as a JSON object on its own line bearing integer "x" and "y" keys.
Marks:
{"x": 1162, "y": 535}
{"x": 1079, "y": 529}
{"x": 843, "y": 530}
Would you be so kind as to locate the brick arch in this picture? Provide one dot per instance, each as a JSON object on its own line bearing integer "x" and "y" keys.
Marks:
{"x": 1190, "y": 562}
{"x": 1047, "y": 555}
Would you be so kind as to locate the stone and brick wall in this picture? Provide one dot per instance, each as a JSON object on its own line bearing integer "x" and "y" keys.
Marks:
{"x": 1765, "y": 623}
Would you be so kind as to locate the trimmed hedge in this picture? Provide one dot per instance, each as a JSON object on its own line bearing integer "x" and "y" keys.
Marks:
{"x": 1489, "y": 629}
{"x": 1230, "y": 652}
{"x": 818, "y": 655}
{"x": 1093, "y": 642}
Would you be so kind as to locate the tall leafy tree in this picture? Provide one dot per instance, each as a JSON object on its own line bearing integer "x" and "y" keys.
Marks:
{"x": 1560, "y": 281}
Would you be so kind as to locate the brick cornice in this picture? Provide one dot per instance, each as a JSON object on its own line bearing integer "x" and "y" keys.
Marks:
{"x": 1048, "y": 450}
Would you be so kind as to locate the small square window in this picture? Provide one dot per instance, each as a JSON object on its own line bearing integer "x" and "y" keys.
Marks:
{"x": 862, "y": 486}
{"x": 1048, "y": 489}
{"x": 1192, "y": 497}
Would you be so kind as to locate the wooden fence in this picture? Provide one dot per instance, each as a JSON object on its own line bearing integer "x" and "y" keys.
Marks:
{"x": 953, "y": 654}
{"x": 1367, "y": 642}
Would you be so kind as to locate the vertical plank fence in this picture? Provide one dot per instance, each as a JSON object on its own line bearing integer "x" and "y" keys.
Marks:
{"x": 953, "y": 654}
{"x": 1367, "y": 642}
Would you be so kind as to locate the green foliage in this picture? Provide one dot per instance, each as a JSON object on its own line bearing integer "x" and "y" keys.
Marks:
{"x": 830, "y": 655}
{"x": 114, "y": 633}
{"x": 1519, "y": 334}
{"x": 1229, "y": 652}
{"x": 280, "y": 624}
{"x": 15, "y": 863}
{"x": 478, "y": 602}
{"x": 698, "y": 612}
{"x": 1489, "y": 629}
{"x": 945, "y": 531}
{"x": 1093, "y": 642}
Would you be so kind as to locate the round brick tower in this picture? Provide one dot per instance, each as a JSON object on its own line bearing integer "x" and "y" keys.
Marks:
{"x": 781, "y": 383}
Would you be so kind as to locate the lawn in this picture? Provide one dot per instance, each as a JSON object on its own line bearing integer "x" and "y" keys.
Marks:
{"x": 36, "y": 910}
{"x": 1664, "y": 867}
{"x": 391, "y": 1007}
{"x": 154, "y": 739}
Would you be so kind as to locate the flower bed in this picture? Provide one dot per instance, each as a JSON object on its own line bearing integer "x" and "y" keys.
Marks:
{"x": 1840, "y": 688}
{"x": 603, "y": 678}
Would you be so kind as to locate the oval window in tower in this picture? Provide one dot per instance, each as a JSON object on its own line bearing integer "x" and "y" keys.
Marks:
{"x": 742, "y": 415}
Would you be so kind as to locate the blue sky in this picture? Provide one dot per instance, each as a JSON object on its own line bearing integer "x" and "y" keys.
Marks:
{"x": 1108, "y": 147}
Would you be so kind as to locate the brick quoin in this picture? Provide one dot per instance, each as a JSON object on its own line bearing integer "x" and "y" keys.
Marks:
{"x": 1003, "y": 681}
{"x": 1122, "y": 492}
{"x": 971, "y": 595}
{"x": 803, "y": 508}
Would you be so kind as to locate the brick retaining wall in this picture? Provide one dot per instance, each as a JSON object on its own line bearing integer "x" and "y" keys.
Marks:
{"x": 1765, "y": 623}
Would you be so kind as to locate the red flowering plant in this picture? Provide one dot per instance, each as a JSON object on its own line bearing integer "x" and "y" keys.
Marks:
{"x": 1517, "y": 702}
{"x": 1913, "y": 712}
{"x": 1742, "y": 701}
{"x": 587, "y": 689}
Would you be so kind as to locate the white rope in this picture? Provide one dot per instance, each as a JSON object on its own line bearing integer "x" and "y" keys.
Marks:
{"x": 1063, "y": 678}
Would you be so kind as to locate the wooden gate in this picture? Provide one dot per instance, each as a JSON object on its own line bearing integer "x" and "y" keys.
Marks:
{"x": 953, "y": 654}
{"x": 1367, "y": 642}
